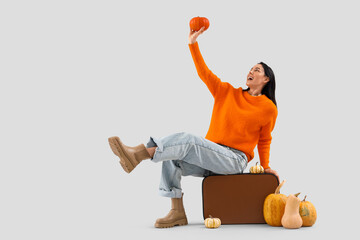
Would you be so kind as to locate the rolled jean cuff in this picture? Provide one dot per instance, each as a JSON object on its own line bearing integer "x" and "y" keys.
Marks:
{"x": 154, "y": 142}
{"x": 173, "y": 193}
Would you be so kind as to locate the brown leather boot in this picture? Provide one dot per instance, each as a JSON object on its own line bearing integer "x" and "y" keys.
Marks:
{"x": 130, "y": 157}
{"x": 175, "y": 217}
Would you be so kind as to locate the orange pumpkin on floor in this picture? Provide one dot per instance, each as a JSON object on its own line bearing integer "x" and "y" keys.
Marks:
{"x": 198, "y": 22}
{"x": 307, "y": 212}
{"x": 274, "y": 207}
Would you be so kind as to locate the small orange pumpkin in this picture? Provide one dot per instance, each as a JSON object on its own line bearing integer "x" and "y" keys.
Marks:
{"x": 274, "y": 207}
{"x": 307, "y": 212}
{"x": 198, "y": 22}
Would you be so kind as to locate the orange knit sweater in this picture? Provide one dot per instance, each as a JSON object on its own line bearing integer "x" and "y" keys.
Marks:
{"x": 238, "y": 120}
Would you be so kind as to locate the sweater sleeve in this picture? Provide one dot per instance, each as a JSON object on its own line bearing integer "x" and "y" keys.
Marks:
{"x": 265, "y": 141}
{"x": 213, "y": 83}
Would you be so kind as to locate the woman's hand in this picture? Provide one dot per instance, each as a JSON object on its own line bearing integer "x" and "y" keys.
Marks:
{"x": 194, "y": 34}
{"x": 269, "y": 170}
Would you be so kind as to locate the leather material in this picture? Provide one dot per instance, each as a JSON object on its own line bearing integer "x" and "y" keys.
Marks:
{"x": 175, "y": 217}
{"x": 130, "y": 157}
{"x": 237, "y": 198}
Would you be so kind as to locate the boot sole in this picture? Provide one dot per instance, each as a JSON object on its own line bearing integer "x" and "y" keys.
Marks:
{"x": 180, "y": 222}
{"x": 118, "y": 150}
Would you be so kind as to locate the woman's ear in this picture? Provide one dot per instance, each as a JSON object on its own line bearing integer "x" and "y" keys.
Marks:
{"x": 267, "y": 79}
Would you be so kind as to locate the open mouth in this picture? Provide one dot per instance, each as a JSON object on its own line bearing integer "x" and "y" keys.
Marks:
{"x": 250, "y": 78}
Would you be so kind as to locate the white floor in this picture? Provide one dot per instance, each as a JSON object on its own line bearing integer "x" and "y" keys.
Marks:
{"x": 197, "y": 229}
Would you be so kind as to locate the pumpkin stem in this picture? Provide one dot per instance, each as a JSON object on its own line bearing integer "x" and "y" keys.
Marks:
{"x": 304, "y": 198}
{"x": 277, "y": 190}
{"x": 210, "y": 216}
{"x": 256, "y": 163}
{"x": 296, "y": 194}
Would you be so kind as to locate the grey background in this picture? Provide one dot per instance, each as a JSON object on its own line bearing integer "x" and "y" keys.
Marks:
{"x": 74, "y": 73}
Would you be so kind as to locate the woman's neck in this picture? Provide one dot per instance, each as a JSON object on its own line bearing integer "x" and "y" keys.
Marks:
{"x": 255, "y": 93}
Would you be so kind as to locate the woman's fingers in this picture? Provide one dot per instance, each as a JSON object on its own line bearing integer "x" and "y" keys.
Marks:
{"x": 201, "y": 30}
{"x": 197, "y": 33}
{"x": 269, "y": 170}
{"x": 276, "y": 174}
{"x": 194, "y": 34}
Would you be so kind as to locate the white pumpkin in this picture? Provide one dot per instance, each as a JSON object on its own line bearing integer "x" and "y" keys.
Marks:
{"x": 211, "y": 222}
{"x": 257, "y": 169}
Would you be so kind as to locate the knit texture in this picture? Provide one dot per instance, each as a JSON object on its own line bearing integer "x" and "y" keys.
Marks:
{"x": 238, "y": 120}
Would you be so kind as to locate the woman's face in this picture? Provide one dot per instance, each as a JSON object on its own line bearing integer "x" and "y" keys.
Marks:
{"x": 256, "y": 77}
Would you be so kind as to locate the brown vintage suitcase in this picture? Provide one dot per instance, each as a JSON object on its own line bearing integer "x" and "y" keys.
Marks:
{"x": 237, "y": 198}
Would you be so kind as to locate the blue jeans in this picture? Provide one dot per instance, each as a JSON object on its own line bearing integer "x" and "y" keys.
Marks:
{"x": 184, "y": 154}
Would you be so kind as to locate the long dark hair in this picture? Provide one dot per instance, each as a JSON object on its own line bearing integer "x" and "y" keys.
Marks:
{"x": 269, "y": 88}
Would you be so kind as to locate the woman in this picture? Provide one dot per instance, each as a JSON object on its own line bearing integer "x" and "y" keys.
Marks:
{"x": 241, "y": 119}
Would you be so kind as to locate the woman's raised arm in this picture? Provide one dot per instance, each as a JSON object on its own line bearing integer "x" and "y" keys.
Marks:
{"x": 213, "y": 83}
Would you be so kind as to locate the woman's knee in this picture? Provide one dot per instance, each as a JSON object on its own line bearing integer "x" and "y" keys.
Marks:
{"x": 184, "y": 137}
{"x": 189, "y": 136}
